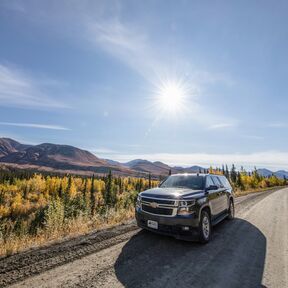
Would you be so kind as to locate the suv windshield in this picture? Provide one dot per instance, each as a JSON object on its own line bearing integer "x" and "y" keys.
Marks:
{"x": 184, "y": 181}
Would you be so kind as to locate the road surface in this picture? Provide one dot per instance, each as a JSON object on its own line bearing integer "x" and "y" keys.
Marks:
{"x": 250, "y": 251}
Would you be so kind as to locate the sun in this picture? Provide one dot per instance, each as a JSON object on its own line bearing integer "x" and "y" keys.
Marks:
{"x": 171, "y": 96}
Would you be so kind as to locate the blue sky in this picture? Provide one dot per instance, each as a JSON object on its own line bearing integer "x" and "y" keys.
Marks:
{"x": 89, "y": 74}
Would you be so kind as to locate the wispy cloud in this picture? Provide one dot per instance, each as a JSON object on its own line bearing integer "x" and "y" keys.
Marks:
{"x": 20, "y": 89}
{"x": 34, "y": 125}
{"x": 132, "y": 45}
{"x": 221, "y": 126}
{"x": 253, "y": 137}
{"x": 127, "y": 44}
{"x": 103, "y": 150}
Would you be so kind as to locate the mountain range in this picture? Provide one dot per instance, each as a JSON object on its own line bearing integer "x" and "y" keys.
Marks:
{"x": 69, "y": 159}
{"x": 267, "y": 173}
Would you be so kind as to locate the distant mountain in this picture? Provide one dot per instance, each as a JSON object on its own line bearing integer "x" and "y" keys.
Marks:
{"x": 195, "y": 169}
{"x": 155, "y": 168}
{"x": 264, "y": 172}
{"x": 8, "y": 146}
{"x": 281, "y": 174}
{"x": 62, "y": 157}
{"x": 69, "y": 159}
{"x": 112, "y": 162}
{"x": 267, "y": 173}
{"x": 159, "y": 168}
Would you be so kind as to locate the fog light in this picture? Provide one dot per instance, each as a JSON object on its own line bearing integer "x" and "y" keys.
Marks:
{"x": 185, "y": 228}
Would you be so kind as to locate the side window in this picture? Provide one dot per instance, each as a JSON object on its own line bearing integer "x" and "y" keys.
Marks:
{"x": 225, "y": 182}
{"x": 209, "y": 181}
{"x": 222, "y": 181}
{"x": 217, "y": 181}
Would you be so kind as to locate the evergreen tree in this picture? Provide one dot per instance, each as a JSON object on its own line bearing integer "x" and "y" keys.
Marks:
{"x": 68, "y": 188}
{"x": 60, "y": 190}
{"x": 149, "y": 179}
{"x": 233, "y": 174}
{"x": 239, "y": 182}
{"x": 109, "y": 191}
{"x": 227, "y": 172}
{"x": 170, "y": 172}
{"x": 92, "y": 197}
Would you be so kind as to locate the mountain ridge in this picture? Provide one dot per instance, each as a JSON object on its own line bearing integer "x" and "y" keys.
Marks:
{"x": 69, "y": 158}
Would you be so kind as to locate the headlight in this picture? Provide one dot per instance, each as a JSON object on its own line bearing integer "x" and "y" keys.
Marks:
{"x": 183, "y": 204}
{"x": 138, "y": 202}
{"x": 186, "y": 207}
{"x": 187, "y": 203}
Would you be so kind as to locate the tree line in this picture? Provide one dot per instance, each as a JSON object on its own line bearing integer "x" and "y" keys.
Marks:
{"x": 35, "y": 205}
{"x": 32, "y": 203}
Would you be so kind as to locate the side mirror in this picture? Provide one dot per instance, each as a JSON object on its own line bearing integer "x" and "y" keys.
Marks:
{"x": 212, "y": 187}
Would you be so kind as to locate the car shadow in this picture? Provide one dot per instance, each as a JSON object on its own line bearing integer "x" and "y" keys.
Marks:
{"x": 234, "y": 258}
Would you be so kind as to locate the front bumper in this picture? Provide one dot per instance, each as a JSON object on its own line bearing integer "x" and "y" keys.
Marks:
{"x": 171, "y": 226}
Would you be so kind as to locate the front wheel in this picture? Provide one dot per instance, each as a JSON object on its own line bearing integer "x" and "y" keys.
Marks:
{"x": 205, "y": 227}
{"x": 231, "y": 211}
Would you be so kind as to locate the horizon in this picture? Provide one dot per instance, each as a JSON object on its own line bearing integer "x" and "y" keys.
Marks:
{"x": 171, "y": 164}
{"x": 191, "y": 83}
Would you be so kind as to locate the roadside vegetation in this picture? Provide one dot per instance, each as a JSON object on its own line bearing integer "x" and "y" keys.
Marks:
{"x": 35, "y": 209}
{"x": 38, "y": 208}
{"x": 245, "y": 182}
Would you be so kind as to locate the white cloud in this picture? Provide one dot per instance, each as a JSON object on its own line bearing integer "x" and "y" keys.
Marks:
{"x": 132, "y": 45}
{"x": 34, "y": 125}
{"x": 253, "y": 137}
{"x": 103, "y": 151}
{"x": 127, "y": 44}
{"x": 221, "y": 126}
{"x": 269, "y": 159}
{"x": 21, "y": 90}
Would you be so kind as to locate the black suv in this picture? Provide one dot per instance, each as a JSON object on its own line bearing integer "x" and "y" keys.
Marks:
{"x": 186, "y": 206}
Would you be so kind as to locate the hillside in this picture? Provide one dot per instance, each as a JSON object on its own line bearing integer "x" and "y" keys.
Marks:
{"x": 63, "y": 157}
{"x": 267, "y": 173}
{"x": 69, "y": 159}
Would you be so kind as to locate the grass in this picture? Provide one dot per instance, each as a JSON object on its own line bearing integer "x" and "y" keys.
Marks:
{"x": 239, "y": 192}
{"x": 71, "y": 228}
{"x": 79, "y": 226}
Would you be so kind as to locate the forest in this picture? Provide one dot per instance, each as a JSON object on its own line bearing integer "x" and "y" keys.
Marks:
{"x": 37, "y": 208}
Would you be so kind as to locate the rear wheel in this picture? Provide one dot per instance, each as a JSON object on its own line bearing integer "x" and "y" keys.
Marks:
{"x": 231, "y": 211}
{"x": 205, "y": 227}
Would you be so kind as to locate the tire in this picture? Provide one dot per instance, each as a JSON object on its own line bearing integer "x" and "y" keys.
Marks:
{"x": 231, "y": 211}
{"x": 205, "y": 228}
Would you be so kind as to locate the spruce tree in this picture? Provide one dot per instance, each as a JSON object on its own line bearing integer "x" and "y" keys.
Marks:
{"x": 60, "y": 190}
{"x": 233, "y": 174}
{"x": 223, "y": 170}
{"x": 239, "y": 182}
{"x": 227, "y": 172}
{"x": 85, "y": 193}
{"x": 92, "y": 197}
{"x": 108, "y": 194}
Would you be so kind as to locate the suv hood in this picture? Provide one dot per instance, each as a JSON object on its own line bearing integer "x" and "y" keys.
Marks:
{"x": 174, "y": 193}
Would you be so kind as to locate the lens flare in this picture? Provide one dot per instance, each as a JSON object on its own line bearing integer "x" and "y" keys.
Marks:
{"x": 171, "y": 97}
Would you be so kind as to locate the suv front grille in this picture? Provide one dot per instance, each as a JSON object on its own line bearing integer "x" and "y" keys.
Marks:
{"x": 158, "y": 201}
{"x": 157, "y": 210}
{"x": 159, "y": 206}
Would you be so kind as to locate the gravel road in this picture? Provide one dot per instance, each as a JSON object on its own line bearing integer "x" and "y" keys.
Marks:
{"x": 250, "y": 251}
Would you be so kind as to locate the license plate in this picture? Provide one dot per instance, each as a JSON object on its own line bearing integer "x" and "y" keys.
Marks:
{"x": 152, "y": 224}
